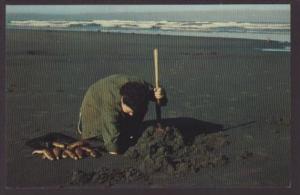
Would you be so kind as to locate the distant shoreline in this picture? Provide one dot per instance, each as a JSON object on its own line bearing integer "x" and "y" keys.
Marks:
{"x": 286, "y": 42}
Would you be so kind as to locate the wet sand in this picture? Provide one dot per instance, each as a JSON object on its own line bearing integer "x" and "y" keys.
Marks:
{"x": 210, "y": 82}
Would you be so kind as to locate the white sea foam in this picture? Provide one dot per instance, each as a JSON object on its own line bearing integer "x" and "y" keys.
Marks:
{"x": 230, "y": 29}
{"x": 163, "y": 25}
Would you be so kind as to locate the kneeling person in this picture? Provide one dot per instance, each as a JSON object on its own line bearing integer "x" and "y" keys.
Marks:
{"x": 115, "y": 105}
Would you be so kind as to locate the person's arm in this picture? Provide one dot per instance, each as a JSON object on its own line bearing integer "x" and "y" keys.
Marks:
{"x": 160, "y": 92}
{"x": 110, "y": 133}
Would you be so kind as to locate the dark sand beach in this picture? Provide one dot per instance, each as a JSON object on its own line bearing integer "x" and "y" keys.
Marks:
{"x": 221, "y": 82}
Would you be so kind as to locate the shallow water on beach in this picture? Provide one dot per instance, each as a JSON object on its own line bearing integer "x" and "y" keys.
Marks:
{"x": 285, "y": 49}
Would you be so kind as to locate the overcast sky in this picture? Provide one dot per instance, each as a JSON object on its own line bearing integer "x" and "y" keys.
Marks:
{"x": 77, "y": 9}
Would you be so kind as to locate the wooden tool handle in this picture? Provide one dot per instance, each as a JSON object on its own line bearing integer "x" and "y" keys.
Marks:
{"x": 157, "y": 106}
{"x": 155, "y": 52}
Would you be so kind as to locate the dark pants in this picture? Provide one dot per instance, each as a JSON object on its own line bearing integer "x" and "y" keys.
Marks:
{"x": 129, "y": 135}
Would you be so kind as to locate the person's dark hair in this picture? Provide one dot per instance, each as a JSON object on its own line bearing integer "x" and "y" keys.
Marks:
{"x": 135, "y": 95}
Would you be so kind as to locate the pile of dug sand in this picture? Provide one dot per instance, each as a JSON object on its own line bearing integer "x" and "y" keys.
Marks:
{"x": 164, "y": 152}
{"x": 167, "y": 152}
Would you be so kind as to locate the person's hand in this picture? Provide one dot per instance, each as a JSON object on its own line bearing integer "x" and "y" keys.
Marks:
{"x": 76, "y": 150}
{"x": 159, "y": 93}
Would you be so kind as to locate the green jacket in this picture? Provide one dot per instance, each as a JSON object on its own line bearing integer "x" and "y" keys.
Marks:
{"x": 101, "y": 114}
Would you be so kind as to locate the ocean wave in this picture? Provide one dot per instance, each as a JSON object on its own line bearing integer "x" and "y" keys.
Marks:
{"x": 161, "y": 25}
